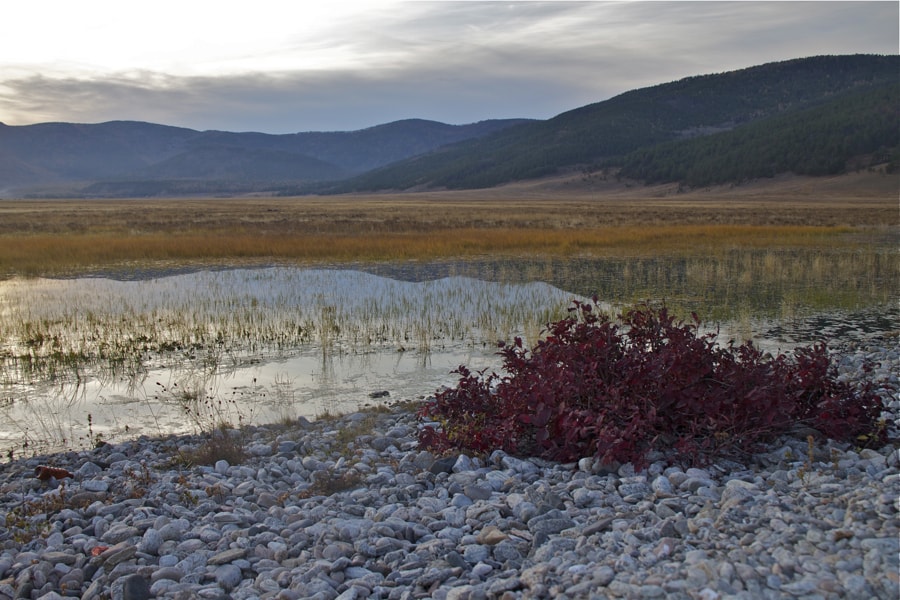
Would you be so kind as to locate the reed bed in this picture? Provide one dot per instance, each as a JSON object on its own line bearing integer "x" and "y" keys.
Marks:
{"x": 36, "y": 255}
{"x": 55, "y": 328}
{"x": 202, "y": 285}
{"x": 50, "y": 237}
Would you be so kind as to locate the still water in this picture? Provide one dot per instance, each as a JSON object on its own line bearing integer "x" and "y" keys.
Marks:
{"x": 179, "y": 353}
{"x": 143, "y": 353}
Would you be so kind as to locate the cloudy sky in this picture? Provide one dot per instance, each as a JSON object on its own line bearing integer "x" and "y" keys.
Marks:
{"x": 281, "y": 66}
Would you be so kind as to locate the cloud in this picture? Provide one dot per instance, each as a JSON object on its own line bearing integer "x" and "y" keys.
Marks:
{"x": 308, "y": 101}
{"x": 455, "y": 62}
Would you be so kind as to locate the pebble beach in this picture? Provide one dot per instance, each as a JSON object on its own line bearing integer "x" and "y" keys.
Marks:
{"x": 350, "y": 508}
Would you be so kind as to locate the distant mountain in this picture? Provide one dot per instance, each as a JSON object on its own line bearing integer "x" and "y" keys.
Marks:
{"x": 133, "y": 158}
{"x": 605, "y": 133}
{"x": 53, "y": 152}
{"x": 818, "y": 115}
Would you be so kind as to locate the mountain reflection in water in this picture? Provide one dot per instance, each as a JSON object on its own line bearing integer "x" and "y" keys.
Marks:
{"x": 158, "y": 352}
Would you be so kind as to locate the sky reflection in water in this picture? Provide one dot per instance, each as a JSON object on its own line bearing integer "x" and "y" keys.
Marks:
{"x": 253, "y": 346}
{"x": 268, "y": 344}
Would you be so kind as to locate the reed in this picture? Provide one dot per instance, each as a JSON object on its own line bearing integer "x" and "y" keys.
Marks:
{"x": 207, "y": 317}
{"x": 58, "y": 328}
{"x": 42, "y": 254}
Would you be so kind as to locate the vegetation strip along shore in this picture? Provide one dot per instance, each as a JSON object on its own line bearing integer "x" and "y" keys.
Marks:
{"x": 67, "y": 236}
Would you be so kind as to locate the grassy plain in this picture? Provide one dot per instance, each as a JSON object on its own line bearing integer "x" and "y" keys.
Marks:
{"x": 574, "y": 216}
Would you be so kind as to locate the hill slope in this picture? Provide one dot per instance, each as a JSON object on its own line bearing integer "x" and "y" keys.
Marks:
{"x": 818, "y": 115}
{"x": 123, "y": 151}
{"x": 605, "y": 132}
{"x": 862, "y": 126}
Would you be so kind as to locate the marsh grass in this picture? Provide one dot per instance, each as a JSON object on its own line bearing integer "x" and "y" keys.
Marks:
{"x": 284, "y": 398}
{"x": 544, "y": 218}
{"x": 210, "y": 320}
{"x": 53, "y": 420}
{"x": 61, "y": 330}
{"x": 734, "y": 255}
{"x": 73, "y": 329}
{"x": 42, "y": 254}
{"x": 203, "y": 407}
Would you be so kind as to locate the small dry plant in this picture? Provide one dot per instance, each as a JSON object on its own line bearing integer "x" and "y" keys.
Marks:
{"x": 327, "y": 483}
{"x": 221, "y": 444}
{"x": 28, "y": 520}
{"x": 803, "y": 473}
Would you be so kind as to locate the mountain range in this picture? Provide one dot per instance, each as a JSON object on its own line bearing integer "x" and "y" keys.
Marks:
{"x": 132, "y": 158}
{"x": 818, "y": 115}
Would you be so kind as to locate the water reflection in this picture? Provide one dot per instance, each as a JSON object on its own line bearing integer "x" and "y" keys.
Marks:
{"x": 145, "y": 352}
{"x": 184, "y": 400}
{"x": 97, "y": 356}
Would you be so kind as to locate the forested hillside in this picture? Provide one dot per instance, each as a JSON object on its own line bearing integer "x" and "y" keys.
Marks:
{"x": 767, "y": 96}
{"x": 858, "y": 130}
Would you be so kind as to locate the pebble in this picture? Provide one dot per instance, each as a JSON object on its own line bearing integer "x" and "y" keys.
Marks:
{"x": 309, "y": 514}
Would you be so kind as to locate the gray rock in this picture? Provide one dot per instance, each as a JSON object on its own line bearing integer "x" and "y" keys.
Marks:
{"x": 260, "y": 450}
{"x": 88, "y": 469}
{"x": 136, "y": 587}
{"x": 287, "y": 446}
{"x": 536, "y": 529}
{"x": 507, "y": 552}
{"x": 634, "y": 492}
{"x": 551, "y": 522}
{"x": 463, "y": 464}
{"x": 692, "y": 484}
{"x": 119, "y": 533}
{"x": 455, "y": 559}
{"x": 476, "y": 553}
{"x": 603, "y": 576}
{"x": 150, "y": 542}
{"x": 171, "y": 573}
{"x": 382, "y": 443}
{"x": 118, "y": 553}
{"x": 227, "y": 556}
{"x": 888, "y": 547}
{"x": 95, "y": 485}
{"x": 59, "y": 558}
{"x": 662, "y": 487}
{"x": 522, "y": 467}
{"x": 228, "y": 576}
{"x": 443, "y": 465}
{"x": 584, "y": 498}
{"x": 477, "y": 491}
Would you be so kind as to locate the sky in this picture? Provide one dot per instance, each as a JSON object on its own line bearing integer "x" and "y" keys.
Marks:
{"x": 284, "y": 66}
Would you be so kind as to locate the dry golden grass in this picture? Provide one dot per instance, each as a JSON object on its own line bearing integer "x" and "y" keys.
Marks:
{"x": 551, "y": 217}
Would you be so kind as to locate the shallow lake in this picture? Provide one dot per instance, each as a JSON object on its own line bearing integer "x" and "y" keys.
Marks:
{"x": 178, "y": 351}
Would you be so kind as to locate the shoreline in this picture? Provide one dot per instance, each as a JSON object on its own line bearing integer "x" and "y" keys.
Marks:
{"x": 855, "y": 330}
{"x": 349, "y": 507}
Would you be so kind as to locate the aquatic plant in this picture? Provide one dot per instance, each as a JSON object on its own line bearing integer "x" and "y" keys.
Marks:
{"x": 101, "y": 327}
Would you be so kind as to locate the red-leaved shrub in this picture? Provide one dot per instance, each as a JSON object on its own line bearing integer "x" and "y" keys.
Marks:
{"x": 594, "y": 388}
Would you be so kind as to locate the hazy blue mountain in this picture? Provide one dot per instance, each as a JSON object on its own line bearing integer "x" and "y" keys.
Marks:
{"x": 121, "y": 151}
